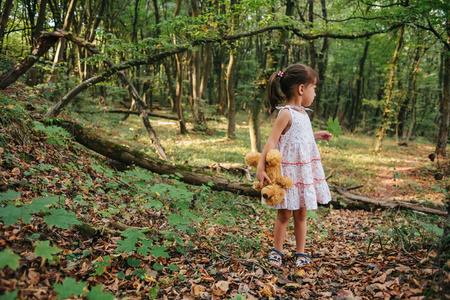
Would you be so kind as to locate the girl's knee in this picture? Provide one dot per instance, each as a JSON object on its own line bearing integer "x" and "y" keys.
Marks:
{"x": 300, "y": 215}
{"x": 283, "y": 215}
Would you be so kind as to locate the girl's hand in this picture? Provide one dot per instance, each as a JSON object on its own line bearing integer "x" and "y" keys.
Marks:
{"x": 322, "y": 135}
{"x": 261, "y": 175}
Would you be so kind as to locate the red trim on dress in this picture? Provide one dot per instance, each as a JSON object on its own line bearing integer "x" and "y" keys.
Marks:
{"x": 301, "y": 183}
{"x": 301, "y": 163}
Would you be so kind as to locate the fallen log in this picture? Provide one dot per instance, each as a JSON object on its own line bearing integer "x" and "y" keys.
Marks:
{"x": 356, "y": 201}
{"x": 129, "y": 112}
{"x": 127, "y": 156}
{"x": 191, "y": 175}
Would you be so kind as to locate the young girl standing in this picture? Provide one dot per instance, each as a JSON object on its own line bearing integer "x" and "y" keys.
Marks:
{"x": 292, "y": 135}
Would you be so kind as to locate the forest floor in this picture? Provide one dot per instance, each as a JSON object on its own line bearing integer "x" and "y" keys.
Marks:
{"x": 155, "y": 237}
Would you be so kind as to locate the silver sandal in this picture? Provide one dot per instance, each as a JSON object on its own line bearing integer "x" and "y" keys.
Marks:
{"x": 275, "y": 258}
{"x": 302, "y": 260}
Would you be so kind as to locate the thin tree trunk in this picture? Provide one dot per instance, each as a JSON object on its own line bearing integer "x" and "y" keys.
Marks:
{"x": 179, "y": 94}
{"x": 36, "y": 33}
{"x": 445, "y": 102}
{"x": 4, "y": 17}
{"x": 62, "y": 42}
{"x": 359, "y": 80}
{"x": 385, "y": 121}
{"x": 231, "y": 83}
{"x": 231, "y": 77}
{"x": 221, "y": 88}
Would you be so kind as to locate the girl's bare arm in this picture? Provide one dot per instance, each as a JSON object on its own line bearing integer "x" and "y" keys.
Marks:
{"x": 279, "y": 125}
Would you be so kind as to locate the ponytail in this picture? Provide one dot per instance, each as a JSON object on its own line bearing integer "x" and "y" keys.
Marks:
{"x": 292, "y": 76}
{"x": 273, "y": 94}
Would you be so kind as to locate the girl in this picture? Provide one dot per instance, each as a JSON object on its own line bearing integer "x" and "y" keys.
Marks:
{"x": 292, "y": 135}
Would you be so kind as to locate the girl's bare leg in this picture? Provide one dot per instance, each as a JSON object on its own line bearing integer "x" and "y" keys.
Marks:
{"x": 279, "y": 233}
{"x": 300, "y": 229}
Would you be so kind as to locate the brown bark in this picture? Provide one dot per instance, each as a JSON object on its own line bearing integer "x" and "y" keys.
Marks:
{"x": 4, "y": 19}
{"x": 445, "y": 102}
{"x": 121, "y": 111}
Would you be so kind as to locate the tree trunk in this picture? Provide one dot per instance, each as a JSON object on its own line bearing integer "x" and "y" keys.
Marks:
{"x": 179, "y": 94}
{"x": 4, "y": 20}
{"x": 45, "y": 42}
{"x": 445, "y": 102}
{"x": 386, "y": 119}
{"x": 221, "y": 88}
{"x": 411, "y": 89}
{"x": 231, "y": 83}
{"x": 358, "y": 95}
{"x": 36, "y": 33}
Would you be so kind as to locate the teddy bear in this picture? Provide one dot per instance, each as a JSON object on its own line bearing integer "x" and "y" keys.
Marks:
{"x": 272, "y": 193}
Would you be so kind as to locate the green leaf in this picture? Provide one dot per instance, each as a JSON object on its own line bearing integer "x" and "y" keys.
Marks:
{"x": 157, "y": 266}
{"x": 145, "y": 249}
{"x": 121, "y": 275}
{"x": 333, "y": 126}
{"x": 126, "y": 245}
{"x": 9, "y": 195}
{"x": 9, "y": 258}
{"x": 175, "y": 219}
{"x": 10, "y": 214}
{"x": 61, "y": 218}
{"x": 133, "y": 262}
{"x": 44, "y": 250}
{"x": 42, "y": 203}
{"x": 70, "y": 287}
{"x": 159, "y": 251}
{"x": 154, "y": 203}
{"x": 174, "y": 268}
{"x": 133, "y": 233}
{"x": 9, "y": 296}
{"x": 153, "y": 292}
{"x": 96, "y": 293}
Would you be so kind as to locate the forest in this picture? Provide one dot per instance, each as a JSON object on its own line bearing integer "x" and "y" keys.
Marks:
{"x": 123, "y": 131}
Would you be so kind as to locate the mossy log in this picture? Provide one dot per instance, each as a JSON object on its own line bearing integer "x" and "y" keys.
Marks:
{"x": 127, "y": 156}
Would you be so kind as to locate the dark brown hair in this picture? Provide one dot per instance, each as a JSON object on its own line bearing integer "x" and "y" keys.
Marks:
{"x": 290, "y": 78}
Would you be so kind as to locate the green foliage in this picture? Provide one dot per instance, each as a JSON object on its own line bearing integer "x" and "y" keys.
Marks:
{"x": 412, "y": 232}
{"x": 61, "y": 218}
{"x": 132, "y": 236}
{"x": 159, "y": 251}
{"x": 9, "y": 195}
{"x": 10, "y": 214}
{"x": 43, "y": 203}
{"x": 56, "y": 134}
{"x": 10, "y": 296}
{"x": 9, "y": 258}
{"x": 333, "y": 126}
{"x": 153, "y": 292}
{"x": 69, "y": 288}
{"x": 96, "y": 293}
{"x": 44, "y": 250}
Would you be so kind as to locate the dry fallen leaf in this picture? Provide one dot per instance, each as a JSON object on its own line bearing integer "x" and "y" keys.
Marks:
{"x": 221, "y": 288}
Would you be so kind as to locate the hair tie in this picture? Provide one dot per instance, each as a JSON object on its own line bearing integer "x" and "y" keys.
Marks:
{"x": 280, "y": 74}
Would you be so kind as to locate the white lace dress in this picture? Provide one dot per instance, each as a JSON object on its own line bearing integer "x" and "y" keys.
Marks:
{"x": 302, "y": 163}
